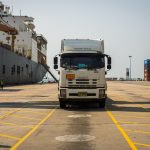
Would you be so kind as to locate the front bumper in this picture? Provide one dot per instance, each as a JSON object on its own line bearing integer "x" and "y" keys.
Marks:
{"x": 84, "y": 94}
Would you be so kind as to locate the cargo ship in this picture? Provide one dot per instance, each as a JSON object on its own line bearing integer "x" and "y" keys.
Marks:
{"x": 23, "y": 52}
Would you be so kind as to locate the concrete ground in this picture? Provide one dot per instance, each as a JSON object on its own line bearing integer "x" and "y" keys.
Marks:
{"x": 30, "y": 118}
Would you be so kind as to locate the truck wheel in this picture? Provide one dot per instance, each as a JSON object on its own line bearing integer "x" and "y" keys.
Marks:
{"x": 62, "y": 104}
{"x": 102, "y": 103}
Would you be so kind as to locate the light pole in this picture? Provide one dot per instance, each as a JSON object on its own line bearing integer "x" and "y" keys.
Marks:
{"x": 130, "y": 66}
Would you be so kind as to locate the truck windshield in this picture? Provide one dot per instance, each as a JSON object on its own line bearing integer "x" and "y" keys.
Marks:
{"x": 82, "y": 61}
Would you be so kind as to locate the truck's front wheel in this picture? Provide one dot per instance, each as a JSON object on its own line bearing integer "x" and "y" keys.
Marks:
{"x": 102, "y": 103}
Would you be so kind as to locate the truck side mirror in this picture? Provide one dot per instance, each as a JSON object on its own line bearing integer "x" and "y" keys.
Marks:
{"x": 55, "y": 66}
{"x": 109, "y": 60}
{"x": 55, "y": 61}
{"x": 109, "y": 66}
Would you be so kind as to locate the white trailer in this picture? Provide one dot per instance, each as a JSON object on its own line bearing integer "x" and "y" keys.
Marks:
{"x": 82, "y": 71}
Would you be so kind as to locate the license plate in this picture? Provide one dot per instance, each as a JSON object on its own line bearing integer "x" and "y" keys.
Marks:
{"x": 82, "y": 94}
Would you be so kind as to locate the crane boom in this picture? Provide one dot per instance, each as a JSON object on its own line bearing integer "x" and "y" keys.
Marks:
{"x": 8, "y": 29}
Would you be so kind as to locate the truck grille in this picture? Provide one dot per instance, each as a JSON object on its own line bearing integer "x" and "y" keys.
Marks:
{"x": 83, "y": 83}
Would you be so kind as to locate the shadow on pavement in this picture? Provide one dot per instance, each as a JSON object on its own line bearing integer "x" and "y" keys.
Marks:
{"x": 79, "y": 106}
{"x": 34, "y": 104}
{"x": 4, "y": 146}
{"x": 113, "y": 105}
{"x": 11, "y": 90}
{"x": 52, "y": 105}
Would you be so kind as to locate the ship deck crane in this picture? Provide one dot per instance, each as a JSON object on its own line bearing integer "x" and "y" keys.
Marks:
{"x": 9, "y": 30}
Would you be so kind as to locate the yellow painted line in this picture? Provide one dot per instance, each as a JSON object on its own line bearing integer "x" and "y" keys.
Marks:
{"x": 11, "y": 137}
{"x": 129, "y": 141}
{"x": 12, "y": 124}
{"x": 124, "y": 122}
{"x": 141, "y": 124}
{"x": 42, "y": 113}
{"x": 14, "y": 147}
{"x": 132, "y": 116}
{"x": 141, "y": 144}
{"x": 136, "y": 123}
{"x": 8, "y": 114}
{"x": 18, "y": 116}
{"x": 137, "y": 131}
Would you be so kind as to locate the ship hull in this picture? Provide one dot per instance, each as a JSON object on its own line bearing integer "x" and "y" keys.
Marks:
{"x": 16, "y": 69}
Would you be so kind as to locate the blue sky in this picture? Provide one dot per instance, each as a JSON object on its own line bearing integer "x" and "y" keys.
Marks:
{"x": 123, "y": 24}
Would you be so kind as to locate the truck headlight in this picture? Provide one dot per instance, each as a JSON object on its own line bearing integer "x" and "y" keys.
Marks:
{"x": 101, "y": 93}
{"x": 63, "y": 93}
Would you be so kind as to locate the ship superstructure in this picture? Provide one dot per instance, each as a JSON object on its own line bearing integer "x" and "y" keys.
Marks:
{"x": 25, "y": 45}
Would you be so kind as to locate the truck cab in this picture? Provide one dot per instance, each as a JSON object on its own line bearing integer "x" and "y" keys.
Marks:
{"x": 82, "y": 71}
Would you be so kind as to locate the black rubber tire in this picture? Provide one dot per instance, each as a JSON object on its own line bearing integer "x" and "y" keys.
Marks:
{"x": 102, "y": 103}
{"x": 62, "y": 104}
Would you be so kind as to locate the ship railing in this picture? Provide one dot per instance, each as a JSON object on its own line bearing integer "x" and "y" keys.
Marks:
{"x": 6, "y": 46}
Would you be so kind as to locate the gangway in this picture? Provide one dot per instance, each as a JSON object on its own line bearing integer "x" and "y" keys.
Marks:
{"x": 49, "y": 71}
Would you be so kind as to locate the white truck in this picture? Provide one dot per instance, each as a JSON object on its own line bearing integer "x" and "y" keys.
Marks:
{"x": 82, "y": 71}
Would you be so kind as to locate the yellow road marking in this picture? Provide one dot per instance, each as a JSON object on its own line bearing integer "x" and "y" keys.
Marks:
{"x": 138, "y": 131}
{"x": 141, "y": 144}
{"x": 9, "y": 136}
{"x": 129, "y": 141}
{"x": 142, "y": 124}
{"x": 42, "y": 113}
{"x": 132, "y": 116}
{"x": 8, "y": 114}
{"x": 136, "y": 123}
{"x": 18, "y": 116}
{"x": 12, "y": 124}
{"x": 124, "y": 122}
{"x": 31, "y": 131}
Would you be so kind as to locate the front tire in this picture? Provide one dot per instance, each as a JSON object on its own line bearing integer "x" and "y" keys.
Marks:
{"x": 102, "y": 103}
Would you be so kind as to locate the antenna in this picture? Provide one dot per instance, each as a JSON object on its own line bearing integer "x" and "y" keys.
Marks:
{"x": 12, "y": 9}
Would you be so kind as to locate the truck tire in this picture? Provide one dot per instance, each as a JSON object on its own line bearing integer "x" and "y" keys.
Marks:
{"x": 102, "y": 103}
{"x": 62, "y": 104}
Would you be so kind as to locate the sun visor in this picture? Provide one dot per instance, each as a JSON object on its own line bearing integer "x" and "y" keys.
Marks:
{"x": 82, "y": 45}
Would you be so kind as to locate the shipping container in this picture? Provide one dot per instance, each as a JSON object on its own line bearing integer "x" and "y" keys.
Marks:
{"x": 146, "y": 75}
{"x": 147, "y": 61}
{"x": 147, "y": 70}
{"x": 146, "y": 79}
{"x": 146, "y": 67}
